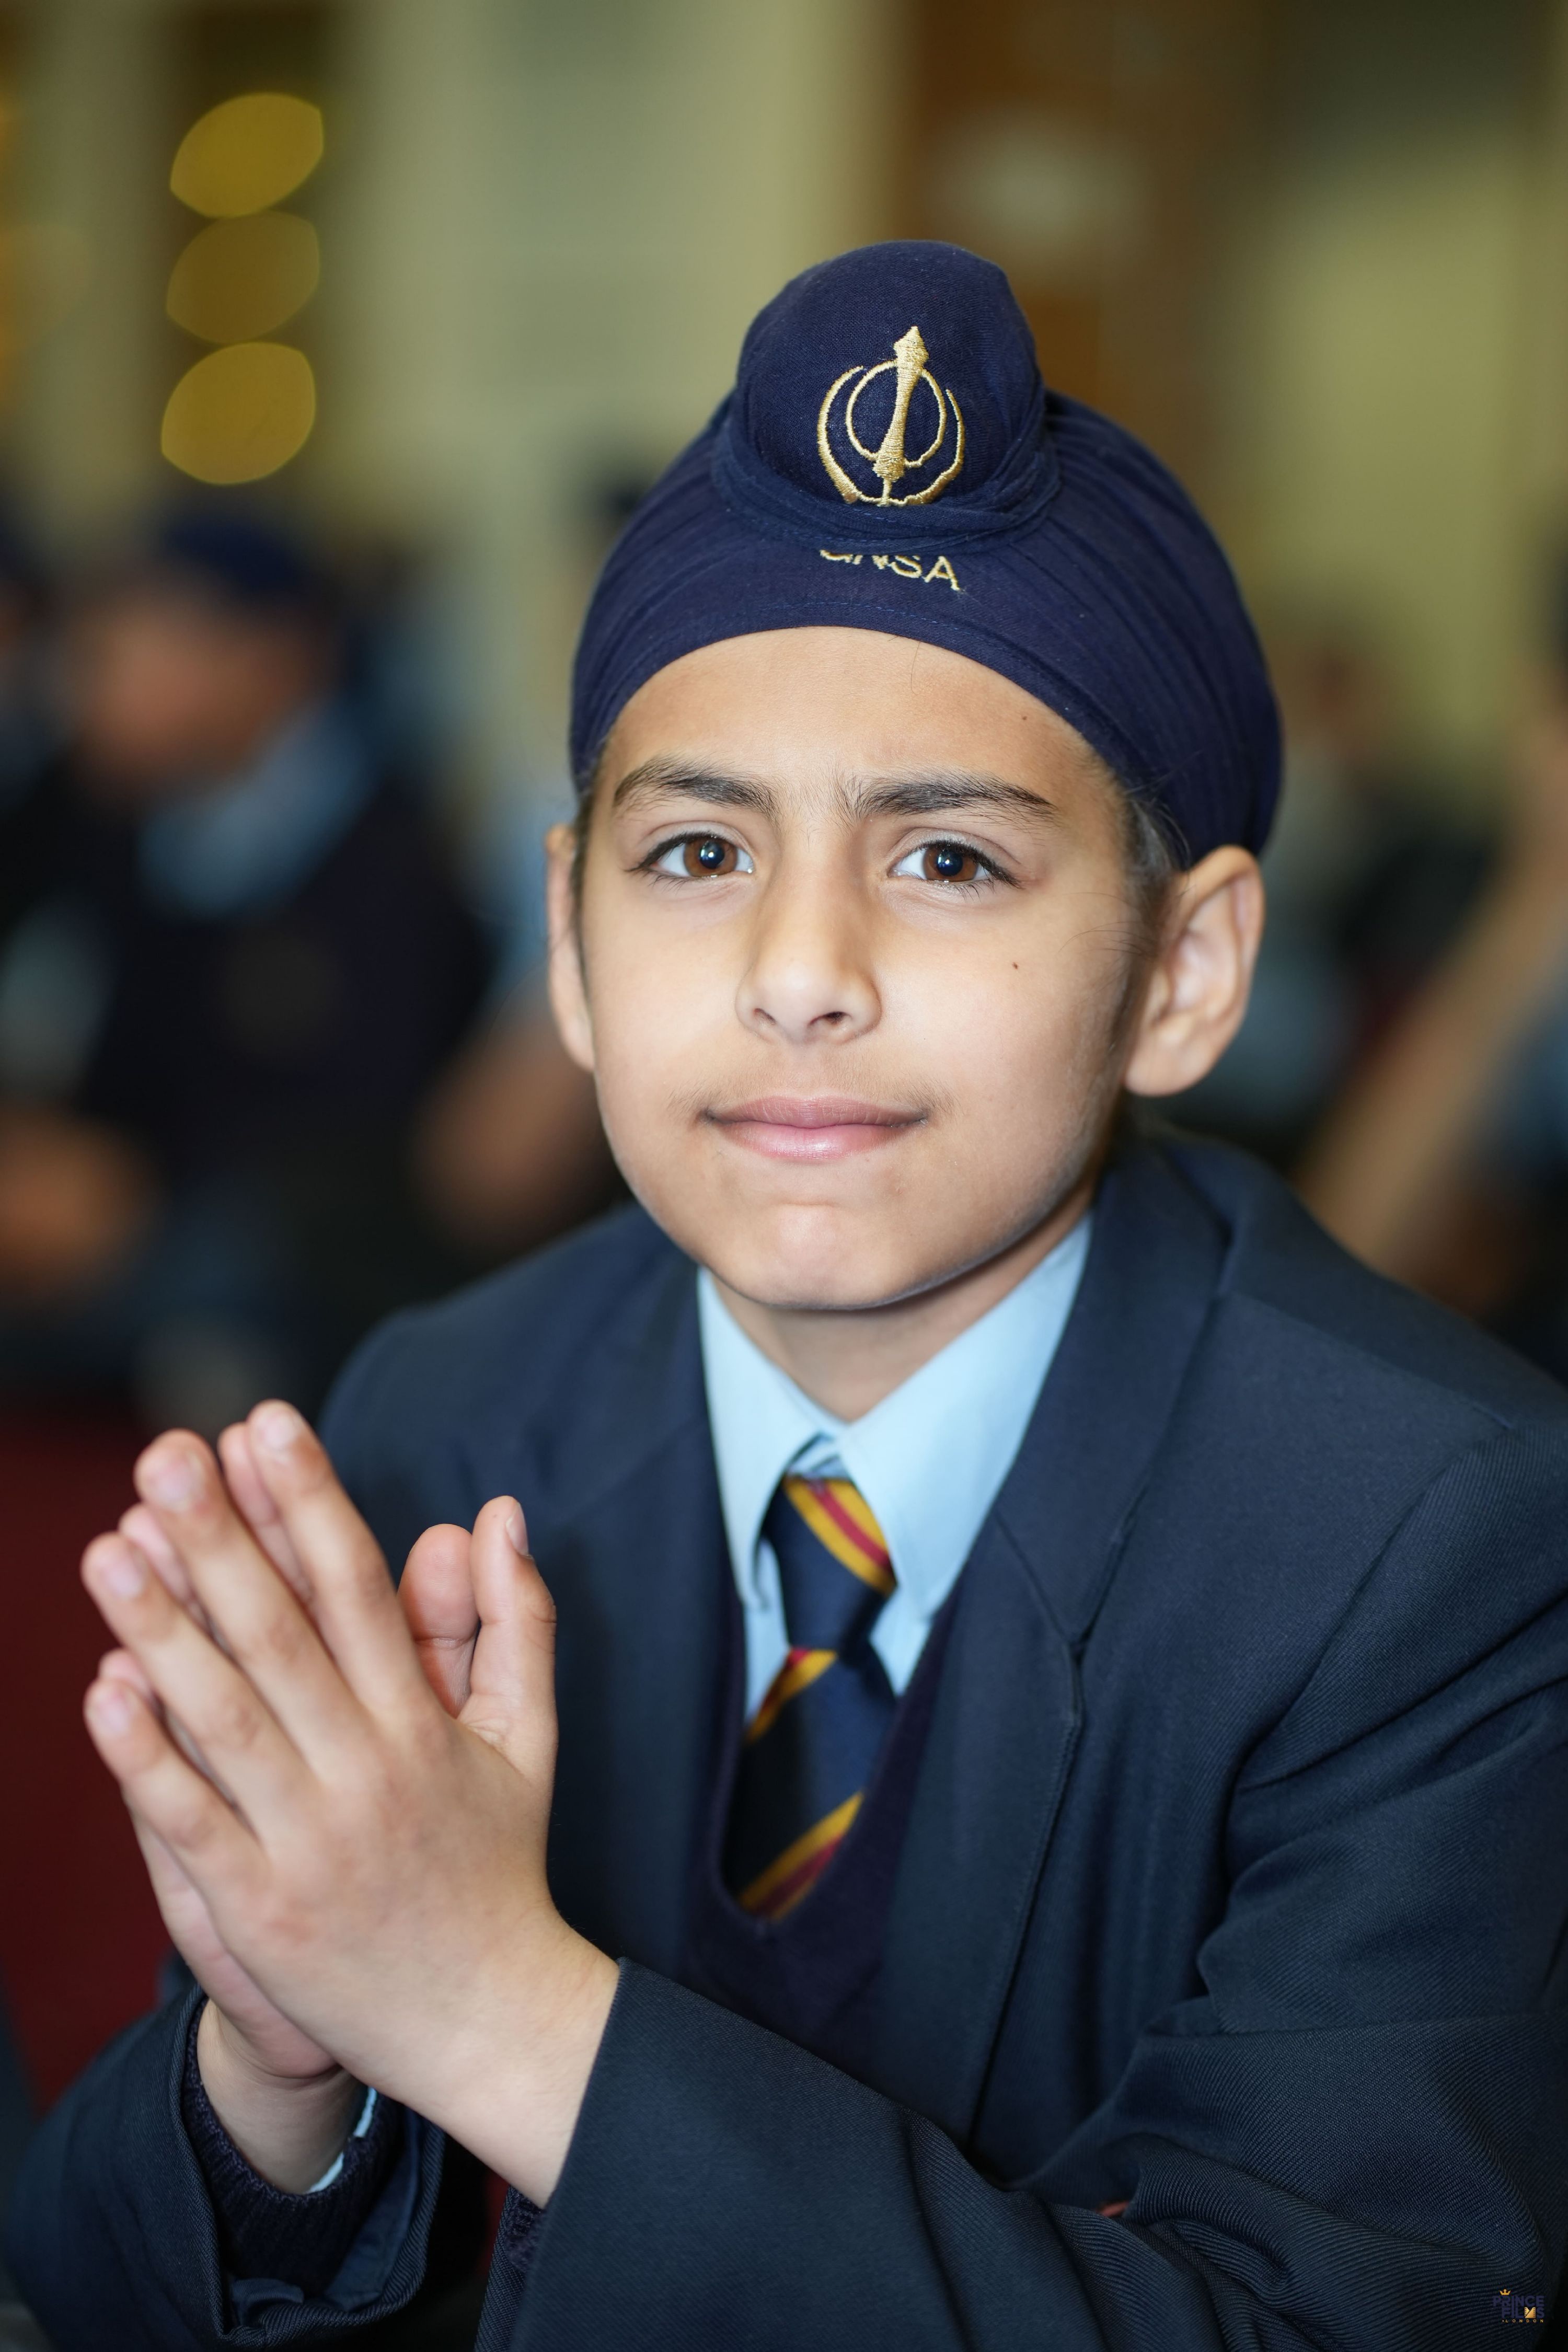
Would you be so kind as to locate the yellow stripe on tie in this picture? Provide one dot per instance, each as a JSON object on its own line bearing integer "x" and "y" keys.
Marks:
{"x": 795, "y": 1858}
{"x": 799, "y": 1670}
{"x": 858, "y": 1547}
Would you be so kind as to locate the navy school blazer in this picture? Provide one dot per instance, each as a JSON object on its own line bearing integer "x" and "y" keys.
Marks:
{"x": 1234, "y": 1885}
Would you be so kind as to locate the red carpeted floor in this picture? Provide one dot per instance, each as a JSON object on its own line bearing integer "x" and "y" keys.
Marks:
{"x": 79, "y": 1935}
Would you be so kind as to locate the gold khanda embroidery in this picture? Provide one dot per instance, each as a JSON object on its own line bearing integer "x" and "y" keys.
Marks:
{"x": 890, "y": 460}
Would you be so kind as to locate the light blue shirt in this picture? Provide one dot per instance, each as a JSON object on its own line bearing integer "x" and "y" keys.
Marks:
{"x": 929, "y": 1459}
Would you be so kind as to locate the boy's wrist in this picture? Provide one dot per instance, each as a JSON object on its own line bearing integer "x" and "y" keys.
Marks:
{"x": 287, "y": 2127}
{"x": 513, "y": 2093}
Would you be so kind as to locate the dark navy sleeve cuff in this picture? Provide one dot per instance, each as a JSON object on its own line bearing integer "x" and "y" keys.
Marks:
{"x": 267, "y": 2233}
{"x": 515, "y": 2237}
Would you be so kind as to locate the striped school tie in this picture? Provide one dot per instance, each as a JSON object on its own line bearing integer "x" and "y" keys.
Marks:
{"x": 811, "y": 1745}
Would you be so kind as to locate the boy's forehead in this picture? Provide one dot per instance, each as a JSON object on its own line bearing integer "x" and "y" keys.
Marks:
{"x": 821, "y": 709}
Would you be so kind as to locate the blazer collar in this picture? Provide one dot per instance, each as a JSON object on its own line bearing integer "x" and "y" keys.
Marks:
{"x": 1154, "y": 1264}
{"x": 632, "y": 1399}
{"x": 625, "y": 1525}
{"x": 1009, "y": 1713}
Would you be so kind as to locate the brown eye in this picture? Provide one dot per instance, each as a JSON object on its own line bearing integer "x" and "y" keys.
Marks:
{"x": 949, "y": 861}
{"x": 700, "y": 857}
{"x": 705, "y": 855}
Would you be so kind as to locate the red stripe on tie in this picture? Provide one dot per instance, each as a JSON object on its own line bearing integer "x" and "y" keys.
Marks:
{"x": 875, "y": 1552}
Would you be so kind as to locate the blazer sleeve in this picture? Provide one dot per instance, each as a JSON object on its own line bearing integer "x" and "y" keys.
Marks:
{"x": 1356, "y": 2137}
{"x": 115, "y": 2244}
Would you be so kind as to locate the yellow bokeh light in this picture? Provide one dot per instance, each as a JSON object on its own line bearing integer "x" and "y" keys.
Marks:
{"x": 248, "y": 154}
{"x": 241, "y": 278}
{"x": 240, "y": 413}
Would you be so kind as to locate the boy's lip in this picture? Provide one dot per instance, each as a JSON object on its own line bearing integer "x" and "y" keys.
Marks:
{"x": 812, "y": 1127}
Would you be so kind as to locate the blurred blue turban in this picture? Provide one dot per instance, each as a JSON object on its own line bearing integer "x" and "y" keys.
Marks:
{"x": 889, "y": 459}
{"x": 246, "y": 559}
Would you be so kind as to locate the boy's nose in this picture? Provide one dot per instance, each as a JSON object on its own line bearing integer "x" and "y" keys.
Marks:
{"x": 809, "y": 979}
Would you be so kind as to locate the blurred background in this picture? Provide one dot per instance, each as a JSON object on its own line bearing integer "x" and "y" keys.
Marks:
{"x": 337, "y": 337}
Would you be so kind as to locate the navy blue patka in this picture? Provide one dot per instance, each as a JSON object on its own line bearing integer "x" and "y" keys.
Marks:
{"x": 891, "y": 459}
{"x": 954, "y": 410}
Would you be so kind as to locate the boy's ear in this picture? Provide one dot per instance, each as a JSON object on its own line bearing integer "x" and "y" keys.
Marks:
{"x": 568, "y": 987}
{"x": 1200, "y": 981}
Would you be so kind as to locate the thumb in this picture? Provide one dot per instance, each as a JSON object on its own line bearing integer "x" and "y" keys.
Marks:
{"x": 438, "y": 1596}
{"x": 511, "y": 1681}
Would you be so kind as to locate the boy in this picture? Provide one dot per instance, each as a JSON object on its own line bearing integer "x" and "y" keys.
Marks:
{"x": 1060, "y": 1672}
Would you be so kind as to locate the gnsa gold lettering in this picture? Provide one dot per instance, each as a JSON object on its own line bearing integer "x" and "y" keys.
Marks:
{"x": 908, "y": 567}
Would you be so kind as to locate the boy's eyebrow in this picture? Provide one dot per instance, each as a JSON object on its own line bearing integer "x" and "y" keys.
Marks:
{"x": 930, "y": 795}
{"x": 922, "y": 795}
{"x": 661, "y": 778}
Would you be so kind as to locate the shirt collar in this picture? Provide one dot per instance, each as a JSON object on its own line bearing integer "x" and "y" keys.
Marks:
{"x": 929, "y": 1458}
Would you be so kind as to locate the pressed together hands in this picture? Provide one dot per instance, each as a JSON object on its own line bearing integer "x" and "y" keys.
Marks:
{"x": 343, "y": 1794}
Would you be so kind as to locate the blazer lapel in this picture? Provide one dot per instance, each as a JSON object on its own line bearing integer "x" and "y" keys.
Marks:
{"x": 1009, "y": 1713}
{"x": 625, "y": 1520}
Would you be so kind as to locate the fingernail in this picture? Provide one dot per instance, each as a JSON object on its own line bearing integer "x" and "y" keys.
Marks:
{"x": 275, "y": 1426}
{"x": 108, "y": 1707}
{"x": 517, "y": 1531}
{"x": 123, "y": 1572}
{"x": 171, "y": 1476}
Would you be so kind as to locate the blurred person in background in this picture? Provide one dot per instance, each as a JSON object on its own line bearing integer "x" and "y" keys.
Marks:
{"x": 1368, "y": 881}
{"x": 1445, "y": 1162}
{"x": 511, "y": 1149}
{"x": 242, "y": 960}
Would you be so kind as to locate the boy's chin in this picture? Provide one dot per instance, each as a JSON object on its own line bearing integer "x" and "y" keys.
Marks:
{"x": 813, "y": 1279}
{"x": 785, "y": 1293}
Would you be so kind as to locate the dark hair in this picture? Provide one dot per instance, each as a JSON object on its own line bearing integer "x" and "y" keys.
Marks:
{"x": 1154, "y": 859}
